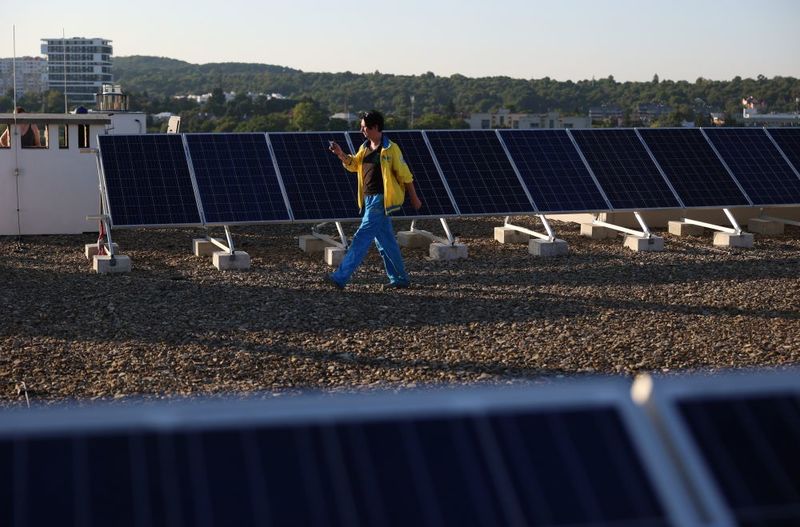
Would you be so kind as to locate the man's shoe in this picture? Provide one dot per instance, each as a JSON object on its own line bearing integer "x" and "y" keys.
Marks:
{"x": 329, "y": 280}
{"x": 395, "y": 285}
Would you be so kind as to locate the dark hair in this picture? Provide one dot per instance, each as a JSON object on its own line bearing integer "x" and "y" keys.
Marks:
{"x": 19, "y": 109}
{"x": 372, "y": 118}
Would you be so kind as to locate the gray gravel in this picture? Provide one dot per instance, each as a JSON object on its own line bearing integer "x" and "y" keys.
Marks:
{"x": 177, "y": 326}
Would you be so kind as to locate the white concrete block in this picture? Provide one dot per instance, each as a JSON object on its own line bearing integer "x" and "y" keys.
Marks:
{"x": 91, "y": 249}
{"x": 334, "y": 255}
{"x": 312, "y": 245}
{"x": 412, "y": 240}
{"x": 546, "y": 248}
{"x": 767, "y": 227}
{"x": 204, "y": 247}
{"x": 596, "y": 232}
{"x": 725, "y": 239}
{"x": 640, "y": 243}
{"x": 225, "y": 261}
{"x": 681, "y": 228}
{"x": 506, "y": 235}
{"x": 103, "y": 264}
{"x": 442, "y": 251}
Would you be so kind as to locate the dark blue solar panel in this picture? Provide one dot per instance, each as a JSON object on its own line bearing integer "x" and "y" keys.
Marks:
{"x": 479, "y": 173}
{"x": 236, "y": 178}
{"x": 750, "y": 444}
{"x": 789, "y": 141}
{"x": 761, "y": 170}
{"x": 553, "y": 171}
{"x": 147, "y": 180}
{"x": 576, "y": 467}
{"x": 624, "y": 169}
{"x": 316, "y": 183}
{"x": 427, "y": 181}
{"x": 695, "y": 171}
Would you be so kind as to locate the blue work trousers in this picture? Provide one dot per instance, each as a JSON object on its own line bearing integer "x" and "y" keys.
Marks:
{"x": 375, "y": 225}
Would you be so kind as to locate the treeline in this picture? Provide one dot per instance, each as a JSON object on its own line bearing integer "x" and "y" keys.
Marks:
{"x": 438, "y": 102}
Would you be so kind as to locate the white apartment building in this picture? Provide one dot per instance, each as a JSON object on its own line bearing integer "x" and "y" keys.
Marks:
{"x": 78, "y": 65}
{"x": 504, "y": 118}
{"x": 31, "y": 74}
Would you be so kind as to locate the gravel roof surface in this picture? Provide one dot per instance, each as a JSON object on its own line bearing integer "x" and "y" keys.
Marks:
{"x": 177, "y": 326}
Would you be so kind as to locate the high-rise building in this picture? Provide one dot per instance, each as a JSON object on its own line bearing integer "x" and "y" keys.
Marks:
{"x": 31, "y": 74}
{"x": 78, "y": 65}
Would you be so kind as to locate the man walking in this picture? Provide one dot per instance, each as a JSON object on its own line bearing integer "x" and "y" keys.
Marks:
{"x": 383, "y": 180}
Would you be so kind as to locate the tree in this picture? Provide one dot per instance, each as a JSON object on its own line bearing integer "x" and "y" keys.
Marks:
{"x": 216, "y": 103}
{"x": 307, "y": 115}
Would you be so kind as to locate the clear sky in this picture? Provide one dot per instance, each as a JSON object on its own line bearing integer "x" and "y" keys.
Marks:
{"x": 561, "y": 39}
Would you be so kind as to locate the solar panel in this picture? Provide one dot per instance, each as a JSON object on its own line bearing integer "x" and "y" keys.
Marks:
{"x": 485, "y": 458}
{"x": 553, "y": 171}
{"x": 427, "y": 180}
{"x": 751, "y": 446}
{"x": 761, "y": 170}
{"x": 317, "y": 185}
{"x": 788, "y": 140}
{"x": 624, "y": 169}
{"x": 736, "y": 436}
{"x": 236, "y": 179}
{"x": 147, "y": 180}
{"x": 696, "y": 173}
{"x": 479, "y": 173}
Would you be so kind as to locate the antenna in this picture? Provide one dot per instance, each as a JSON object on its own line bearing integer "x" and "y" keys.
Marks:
{"x": 14, "y": 69}
{"x": 64, "y": 66}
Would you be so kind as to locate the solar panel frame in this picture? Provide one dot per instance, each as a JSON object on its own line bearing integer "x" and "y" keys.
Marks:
{"x": 481, "y": 189}
{"x": 427, "y": 175}
{"x": 316, "y": 418}
{"x": 686, "y": 158}
{"x": 616, "y": 174}
{"x": 664, "y": 406}
{"x": 299, "y": 187}
{"x": 208, "y": 196}
{"x": 527, "y": 171}
{"x": 787, "y": 141}
{"x": 761, "y": 178}
{"x": 106, "y": 161}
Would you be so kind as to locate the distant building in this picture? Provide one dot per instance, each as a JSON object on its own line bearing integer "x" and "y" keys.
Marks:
{"x": 754, "y": 113}
{"x": 647, "y": 113}
{"x": 504, "y": 118}
{"x": 606, "y": 114}
{"x": 31, "y": 74}
{"x": 78, "y": 65}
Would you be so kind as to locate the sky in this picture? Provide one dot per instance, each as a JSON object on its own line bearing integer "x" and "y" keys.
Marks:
{"x": 529, "y": 39}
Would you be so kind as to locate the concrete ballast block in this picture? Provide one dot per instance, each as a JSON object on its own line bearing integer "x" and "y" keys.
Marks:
{"x": 596, "y": 232}
{"x": 506, "y": 235}
{"x": 443, "y": 251}
{"x": 547, "y": 248}
{"x": 204, "y": 247}
{"x": 91, "y": 249}
{"x": 641, "y": 243}
{"x": 726, "y": 239}
{"x": 225, "y": 261}
{"x": 312, "y": 245}
{"x": 104, "y": 264}
{"x": 412, "y": 240}
{"x": 766, "y": 227}
{"x": 334, "y": 255}
{"x": 681, "y": 228}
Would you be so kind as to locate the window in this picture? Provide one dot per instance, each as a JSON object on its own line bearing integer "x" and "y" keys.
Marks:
{"x": 83, "y": 136}
{"x": 485, "y": 124}
{"x": 63, "y": 136}
{"x": 534, "y": 125}
{"x": 5, "y": 141}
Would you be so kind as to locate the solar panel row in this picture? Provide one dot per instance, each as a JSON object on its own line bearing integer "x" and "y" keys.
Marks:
{"x": 563, "y": 463}
{"x": 279, "y": 177}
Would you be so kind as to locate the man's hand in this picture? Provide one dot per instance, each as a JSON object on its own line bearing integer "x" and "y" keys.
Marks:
{"x": 336, "y": 149}
{"x": 416, "y": 203}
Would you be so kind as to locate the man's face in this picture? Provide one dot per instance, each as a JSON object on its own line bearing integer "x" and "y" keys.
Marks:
{"x": 370, "y": 133}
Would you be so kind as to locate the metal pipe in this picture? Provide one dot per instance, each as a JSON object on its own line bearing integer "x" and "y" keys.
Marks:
{"x": 450, "y": 238}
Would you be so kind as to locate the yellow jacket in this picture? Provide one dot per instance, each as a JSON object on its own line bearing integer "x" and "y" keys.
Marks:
{"x": 394, "y": 171}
